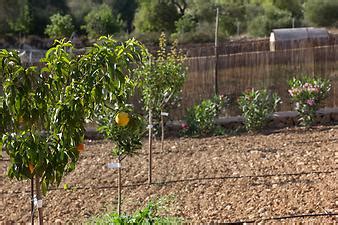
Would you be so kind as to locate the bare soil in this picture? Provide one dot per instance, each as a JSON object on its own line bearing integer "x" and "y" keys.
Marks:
{"x": 247, "y": 177}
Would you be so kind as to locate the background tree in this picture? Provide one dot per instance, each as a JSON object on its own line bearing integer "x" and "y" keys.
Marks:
{"x": 23, "y": 21}
{"x": 42, "y": 10}
{"x": 271, "y": 19}
{"x": 154, "y": 15}
{"x": 321, "y": 12}
{"x": 101, "y": 21}
{"x": 60, "y": 26}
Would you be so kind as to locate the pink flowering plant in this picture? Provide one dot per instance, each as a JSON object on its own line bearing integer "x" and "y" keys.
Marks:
{"x": 307, "y": 94}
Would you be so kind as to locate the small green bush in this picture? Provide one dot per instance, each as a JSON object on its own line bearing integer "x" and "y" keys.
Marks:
{"x": 256, "y": 106}
{"x": 200, "y": 119}
{"x": 307, "y": 94}
{"x": 60, "y": 27}
{"x": 148, "y": 215}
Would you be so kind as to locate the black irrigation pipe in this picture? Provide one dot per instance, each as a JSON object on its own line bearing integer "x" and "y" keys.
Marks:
{"x": 203, "y": 150}
{"x": 175, "y": 181}
{"x": 290, "y": 142}
{"x": 282, "y": 218}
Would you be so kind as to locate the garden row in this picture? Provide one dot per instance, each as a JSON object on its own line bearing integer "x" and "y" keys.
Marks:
{"x": 258, "y": 106}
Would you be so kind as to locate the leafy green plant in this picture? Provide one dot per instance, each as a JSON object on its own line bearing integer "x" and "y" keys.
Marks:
{"x": 307, "y": 94}
{"x": 162, "y": 79}
{"x": 256, "y": 106}
{"x": 200, "y": 119}
{"x": 150, "y": 214}
{"x": 60, "y": 26}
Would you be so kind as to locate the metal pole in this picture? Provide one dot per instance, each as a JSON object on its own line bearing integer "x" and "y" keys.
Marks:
{"x": 216, "y": 54}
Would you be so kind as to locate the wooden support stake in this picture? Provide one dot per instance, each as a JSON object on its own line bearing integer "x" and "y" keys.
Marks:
{"x": 150, "y": 148}
{"x": 162, "y": 132}
{"x": 119, "y": 187}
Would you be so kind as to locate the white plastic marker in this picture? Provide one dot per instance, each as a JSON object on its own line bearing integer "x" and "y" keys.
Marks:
{"x": 164, "y": 114}
{"x": 150, "y": 126}
{"x": 39, "y": 203}
{"x": 114, "y": 165}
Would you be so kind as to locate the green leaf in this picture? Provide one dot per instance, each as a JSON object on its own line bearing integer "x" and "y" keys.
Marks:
{"x": 44, "y": 187}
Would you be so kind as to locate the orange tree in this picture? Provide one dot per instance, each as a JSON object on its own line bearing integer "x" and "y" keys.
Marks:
{"x": 108, "y": 70}
{"x": 44, "y": 110}
{"x": 43, "y": 118}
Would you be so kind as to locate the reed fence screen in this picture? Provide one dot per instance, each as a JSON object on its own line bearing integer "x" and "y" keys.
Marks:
{"x": 264, "y": 69}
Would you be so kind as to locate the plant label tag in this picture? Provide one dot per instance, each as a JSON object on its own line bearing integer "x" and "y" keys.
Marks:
{"x": 39, "y": 203}
{"x": 114, "y": 165}
{"x": 164, "y": 114}
{"x": 149, "y": 126}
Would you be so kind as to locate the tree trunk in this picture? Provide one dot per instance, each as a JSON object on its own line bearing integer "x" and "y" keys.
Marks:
{"x": 39, "y": 198}
{"x": 119, "y": 187}
{"x": 32, "y": 200}
{"x": 150, "y": 147}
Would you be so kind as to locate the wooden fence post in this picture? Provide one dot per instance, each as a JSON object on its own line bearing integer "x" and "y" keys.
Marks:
{"x": 216, "y": 54}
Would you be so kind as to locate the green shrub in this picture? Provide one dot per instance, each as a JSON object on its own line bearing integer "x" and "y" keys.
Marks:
{"x": 200, "y": 119}
{"x": 61, "y": 26}
{"x": 307, "y": 94}
{"x": 101, "y": 21}
{"x": 256, "y": 106}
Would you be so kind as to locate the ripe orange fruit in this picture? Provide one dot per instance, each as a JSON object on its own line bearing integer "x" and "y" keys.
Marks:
{"x": 80, "y": 147}
{"x": 122, "y": 119}
{"x": 31, "y": 167}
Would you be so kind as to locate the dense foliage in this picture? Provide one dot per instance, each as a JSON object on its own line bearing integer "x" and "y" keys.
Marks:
{"x": 43, "y": 119}
{"x": 256, "y": 107}
{"x": 60, "y": 26}
{"x": 162, "y": 78}
{"x": 189, "y": 20}
{"x": 101, "y": 21}
{"x": 200, "y": 119}
{"x": 43, "y": 111}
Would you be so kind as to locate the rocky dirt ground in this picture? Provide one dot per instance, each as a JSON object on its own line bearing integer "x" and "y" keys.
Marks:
{"x": 246, "y": 177}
